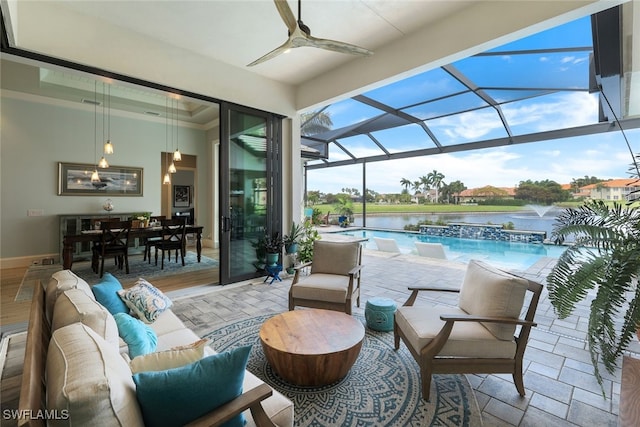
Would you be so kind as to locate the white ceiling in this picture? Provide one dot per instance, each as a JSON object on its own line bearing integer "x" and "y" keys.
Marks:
{"x": 238, "y": 32}
{"x": 204, "y": 46}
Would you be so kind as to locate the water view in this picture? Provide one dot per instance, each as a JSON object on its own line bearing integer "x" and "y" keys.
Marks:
{"x": 507, "y": 255}
{"x": 531, "y": 219}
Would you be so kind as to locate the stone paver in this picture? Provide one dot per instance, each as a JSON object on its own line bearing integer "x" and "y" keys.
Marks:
{"x": 559, "y": 381}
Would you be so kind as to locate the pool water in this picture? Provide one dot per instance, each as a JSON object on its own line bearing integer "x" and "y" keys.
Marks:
{"x": 507, "y": 255}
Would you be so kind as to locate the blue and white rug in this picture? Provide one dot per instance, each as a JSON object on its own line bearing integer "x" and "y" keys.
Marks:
{"x": 381, "y": 389}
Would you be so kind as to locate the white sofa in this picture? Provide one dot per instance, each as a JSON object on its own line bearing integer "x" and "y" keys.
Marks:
{"x": 86, "y": 379}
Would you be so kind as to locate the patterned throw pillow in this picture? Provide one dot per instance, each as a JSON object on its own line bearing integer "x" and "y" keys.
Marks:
{"x": 145, "y": 300}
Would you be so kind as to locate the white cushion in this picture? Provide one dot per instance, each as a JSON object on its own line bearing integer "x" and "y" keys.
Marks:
{"x": 334, "y": 257}
{"x": 169, "y": 359}
{"x": 87, "y": 377}
{"x": 61, "y": 281}
{"x": 468, "y": 339}
{"x": 322, "y": 287}
{"x": 487, "y": 291}
{"x": 75, "y": 305}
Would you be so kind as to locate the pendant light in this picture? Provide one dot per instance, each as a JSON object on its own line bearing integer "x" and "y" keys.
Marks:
{"x": 167, "y": 178}
{"x": 108, "y": 146}
{"x": 94, "y": 176}
{"x": 103, "y": 162}
{"x": 176, "y": 154}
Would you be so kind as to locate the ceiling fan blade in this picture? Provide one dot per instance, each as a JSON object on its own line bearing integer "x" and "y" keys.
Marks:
{"x": 287, "y": 15}
{"x": 337, "y": 46}
{"x": 275, "y": 52}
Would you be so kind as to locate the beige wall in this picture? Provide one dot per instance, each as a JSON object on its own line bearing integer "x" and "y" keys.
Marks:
{"x": 35, "y": 137}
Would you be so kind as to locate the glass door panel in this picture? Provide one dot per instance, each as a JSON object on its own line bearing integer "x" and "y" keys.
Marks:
{"x": 244, "y": 195}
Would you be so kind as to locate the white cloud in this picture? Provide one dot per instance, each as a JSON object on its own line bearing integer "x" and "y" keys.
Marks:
{"x": 604, "y": 156}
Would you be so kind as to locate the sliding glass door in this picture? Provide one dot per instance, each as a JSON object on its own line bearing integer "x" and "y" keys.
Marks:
{"x": 250, "y": 199}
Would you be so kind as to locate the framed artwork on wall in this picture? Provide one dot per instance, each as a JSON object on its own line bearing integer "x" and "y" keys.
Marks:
{"x": 181, "y": 196}
{"x": 74, "y": 179}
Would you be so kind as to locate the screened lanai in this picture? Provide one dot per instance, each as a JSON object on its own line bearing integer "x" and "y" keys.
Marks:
{"x": 510, "y": 95}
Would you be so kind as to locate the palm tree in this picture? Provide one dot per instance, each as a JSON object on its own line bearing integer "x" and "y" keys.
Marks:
{"x": 405, "y": 183}
{"x": 415, "y": 186}
{"x": 435, "y": 178}
{"x": 424, "y": 181}
{"x": 315, "y": 122}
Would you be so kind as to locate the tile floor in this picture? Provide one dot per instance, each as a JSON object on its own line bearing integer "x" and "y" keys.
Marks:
{"x": 561, "y": 389}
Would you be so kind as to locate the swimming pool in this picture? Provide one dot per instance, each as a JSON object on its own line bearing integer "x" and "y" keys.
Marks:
{"x": 507, "y": 255}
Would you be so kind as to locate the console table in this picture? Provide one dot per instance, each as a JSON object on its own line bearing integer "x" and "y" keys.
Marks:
{"x": 70, "y": 240}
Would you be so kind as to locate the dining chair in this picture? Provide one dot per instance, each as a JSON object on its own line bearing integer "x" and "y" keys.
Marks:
{"x": 172, "y": 238}
{"x": 114, "y": 242}
{"x": 149, "y": 241}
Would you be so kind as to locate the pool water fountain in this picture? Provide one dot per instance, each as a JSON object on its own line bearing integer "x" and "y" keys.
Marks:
{"x": 541, "y": 210}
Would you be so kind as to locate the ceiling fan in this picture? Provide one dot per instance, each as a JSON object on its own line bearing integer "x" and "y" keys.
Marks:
{"x": 300, "y": 35}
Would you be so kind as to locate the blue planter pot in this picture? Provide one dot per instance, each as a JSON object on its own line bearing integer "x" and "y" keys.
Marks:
{"x": 292, "y": 249}
{"x": 341, "y": 219}
{"x": 272, "y": 259}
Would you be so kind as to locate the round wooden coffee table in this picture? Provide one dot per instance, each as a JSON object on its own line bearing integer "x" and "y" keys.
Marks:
{"x": 312, "y": 347}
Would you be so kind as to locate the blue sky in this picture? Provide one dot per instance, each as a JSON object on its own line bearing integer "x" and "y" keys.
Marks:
{"x": 604, "y": 155}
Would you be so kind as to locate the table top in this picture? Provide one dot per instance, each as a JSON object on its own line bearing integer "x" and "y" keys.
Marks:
{"x": 312, "y": 332}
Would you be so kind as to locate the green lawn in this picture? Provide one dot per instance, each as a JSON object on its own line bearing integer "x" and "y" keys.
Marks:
{"x": 427, "y": 209}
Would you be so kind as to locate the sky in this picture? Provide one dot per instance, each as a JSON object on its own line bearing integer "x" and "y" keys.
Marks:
{"x": 604, "y": 155}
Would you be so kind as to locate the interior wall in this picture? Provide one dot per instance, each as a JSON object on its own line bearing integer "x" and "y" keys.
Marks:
{"x": 35, "y": 136}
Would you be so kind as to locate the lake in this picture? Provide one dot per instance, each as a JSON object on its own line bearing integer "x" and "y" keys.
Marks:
{"x": 528, "y": 220}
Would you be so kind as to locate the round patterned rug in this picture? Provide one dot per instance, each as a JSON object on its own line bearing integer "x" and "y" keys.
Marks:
{"x": 381, "y": 389}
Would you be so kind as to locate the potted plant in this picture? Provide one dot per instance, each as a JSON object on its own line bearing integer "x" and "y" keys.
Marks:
{"x": 292, "y": 239}
{"x": 305, "y": 247}
{"x": 605, "y": 258}
{"x": 273, "y": 247}
{"x": 344, "y": 206}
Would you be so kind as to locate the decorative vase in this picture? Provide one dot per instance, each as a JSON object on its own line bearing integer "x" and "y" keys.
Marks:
{"x": 272, "y": 259}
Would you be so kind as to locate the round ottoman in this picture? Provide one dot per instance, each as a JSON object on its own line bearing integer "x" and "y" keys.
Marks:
{"x": 379, "y": 314}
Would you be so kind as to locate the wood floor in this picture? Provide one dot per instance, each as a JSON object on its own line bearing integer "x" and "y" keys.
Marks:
{"x": 12, "y": 312}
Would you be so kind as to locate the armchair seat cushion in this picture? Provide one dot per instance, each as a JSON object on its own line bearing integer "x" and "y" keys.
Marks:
{"x": 468, "y": 339}
{"x": 322, "y": 287}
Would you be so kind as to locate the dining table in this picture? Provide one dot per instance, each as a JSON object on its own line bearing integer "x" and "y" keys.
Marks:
{"x": 70, "y": 240}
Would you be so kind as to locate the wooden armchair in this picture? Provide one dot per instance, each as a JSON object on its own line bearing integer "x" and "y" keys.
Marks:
{"x": 334, "y": 281}
{"x": 478, "y": 335}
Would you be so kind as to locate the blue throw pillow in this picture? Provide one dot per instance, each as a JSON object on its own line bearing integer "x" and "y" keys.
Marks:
{"x": 178, "y": 396}
{"x": 140, "y": 338}
{"x": 105, "y": 292}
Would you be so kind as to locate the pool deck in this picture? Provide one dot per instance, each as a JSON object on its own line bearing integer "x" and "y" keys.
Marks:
{"x": 561, "y": 389}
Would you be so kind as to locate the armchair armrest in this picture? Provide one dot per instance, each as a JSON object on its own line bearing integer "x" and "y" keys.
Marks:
{"x": 441, "y": 338}
{"x": 355, "y": 270}
{"x": 301, "y": 266}
{"x": 415, "y": 289}
{"x": 472, "y": 318}
{"x": 248, "y": 400}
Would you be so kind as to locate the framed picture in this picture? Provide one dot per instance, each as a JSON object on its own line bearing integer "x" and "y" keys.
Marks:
{"x": 74, "y": 179}
{"x": 181, "y": 196}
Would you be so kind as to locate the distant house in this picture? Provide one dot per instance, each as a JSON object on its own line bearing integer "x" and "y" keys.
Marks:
{"x": 576, "y": 194}
{"x": 474, "y": 195}
{"x": 612, "y": 190}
